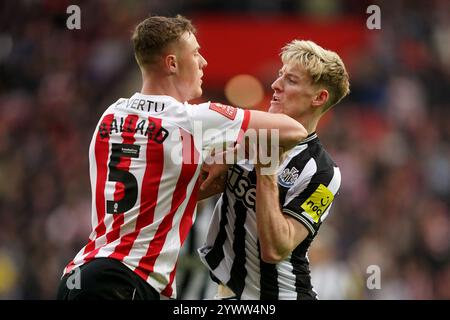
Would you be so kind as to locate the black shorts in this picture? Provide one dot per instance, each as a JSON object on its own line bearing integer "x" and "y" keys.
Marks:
{"x": 104, "y": 279}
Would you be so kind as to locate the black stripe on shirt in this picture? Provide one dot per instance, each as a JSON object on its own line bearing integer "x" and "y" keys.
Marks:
{"x": 300, "y": 267}
{"x": 238, "y": 271}
{"x": 268, "y": 280}
{"x": 215, "y": 256}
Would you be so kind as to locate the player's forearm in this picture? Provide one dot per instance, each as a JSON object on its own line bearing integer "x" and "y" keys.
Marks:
{"x": 291, "y": 132}
{"x": 274, "y": 231}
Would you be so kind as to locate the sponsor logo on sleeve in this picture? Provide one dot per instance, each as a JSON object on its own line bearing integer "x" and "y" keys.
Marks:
{"x": 227, "y": 111}
{"x": 318, "y": 202}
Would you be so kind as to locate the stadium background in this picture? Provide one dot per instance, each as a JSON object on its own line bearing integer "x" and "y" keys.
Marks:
{"x": 390, "y": 137}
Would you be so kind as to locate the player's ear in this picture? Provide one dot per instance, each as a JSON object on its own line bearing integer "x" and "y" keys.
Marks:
{"x": 171, "y": 63}
{"x": 320, "y": 98}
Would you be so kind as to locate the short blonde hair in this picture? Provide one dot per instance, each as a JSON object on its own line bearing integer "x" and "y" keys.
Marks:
{"x": 324, "y": 66}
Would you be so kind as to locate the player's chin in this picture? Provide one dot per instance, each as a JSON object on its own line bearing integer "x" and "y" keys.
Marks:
{"x": 198, "y": 93}
{"x": 275, "y": 108}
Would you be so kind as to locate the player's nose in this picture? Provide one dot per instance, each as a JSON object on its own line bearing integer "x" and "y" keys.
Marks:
{"x": 276, "y": 85}
{"x": 203, "y": 62}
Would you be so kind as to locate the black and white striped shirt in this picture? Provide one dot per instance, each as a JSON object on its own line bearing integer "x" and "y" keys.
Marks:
{"x": 308, "y": 181}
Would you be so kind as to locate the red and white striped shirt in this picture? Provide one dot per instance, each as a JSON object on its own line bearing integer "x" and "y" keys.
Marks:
{"x": 145, "y": 158}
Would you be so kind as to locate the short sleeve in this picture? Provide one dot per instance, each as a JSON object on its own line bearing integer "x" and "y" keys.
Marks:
{"x": 312, "y": 201}
{"x": 215, "y": 123}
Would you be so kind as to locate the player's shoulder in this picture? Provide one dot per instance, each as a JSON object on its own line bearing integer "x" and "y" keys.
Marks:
{"x": 316, "y": 150}
{"x": 211, "y": 105}
{"x": 214, "y": 109}
{"x": 194, "y": 106}
{"x": 311, "y": 156}
{"x": 324, "y": 159}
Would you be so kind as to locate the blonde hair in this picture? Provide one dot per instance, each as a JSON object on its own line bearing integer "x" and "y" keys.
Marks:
{"x": 324, "y": 66}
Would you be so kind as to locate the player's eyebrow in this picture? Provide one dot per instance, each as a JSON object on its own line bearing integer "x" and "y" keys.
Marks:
{"x": 292, "y": 75}
{"x": 288, "y": 74}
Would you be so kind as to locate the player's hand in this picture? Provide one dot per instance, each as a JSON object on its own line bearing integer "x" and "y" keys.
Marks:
{"x": 213, "y": 177}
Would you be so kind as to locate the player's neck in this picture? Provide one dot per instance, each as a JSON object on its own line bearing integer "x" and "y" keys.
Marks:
{"x": 159, "y": 85}
{"x": 309, "y": 122}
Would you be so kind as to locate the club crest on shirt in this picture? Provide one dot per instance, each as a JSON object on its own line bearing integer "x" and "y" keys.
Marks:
{"x": 227, "y": 111}
{"x": 288, "y": 177}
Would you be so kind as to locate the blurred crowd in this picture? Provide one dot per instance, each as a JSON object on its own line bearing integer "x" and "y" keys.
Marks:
{"x": 390, "y": 138}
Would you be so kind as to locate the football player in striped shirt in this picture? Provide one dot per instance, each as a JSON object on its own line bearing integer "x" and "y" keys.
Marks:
{"x": 145, "y": 159}
{"x": 263, "y": 224}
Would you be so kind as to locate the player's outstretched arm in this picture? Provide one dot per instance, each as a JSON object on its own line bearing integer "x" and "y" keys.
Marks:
{"x": 290, "y": 131}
